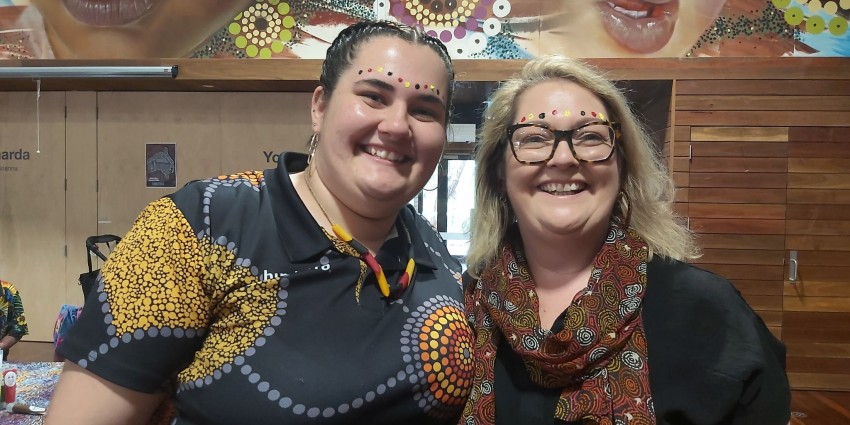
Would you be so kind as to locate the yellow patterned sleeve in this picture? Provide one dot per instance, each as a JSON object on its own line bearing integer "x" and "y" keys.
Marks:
{"x": 155, "y": 276}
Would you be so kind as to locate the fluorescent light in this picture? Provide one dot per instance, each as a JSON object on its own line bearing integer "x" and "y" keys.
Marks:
{"x": 88, "y": 71}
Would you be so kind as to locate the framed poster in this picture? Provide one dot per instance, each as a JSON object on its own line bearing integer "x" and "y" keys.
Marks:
{"x": 160, "y": 165}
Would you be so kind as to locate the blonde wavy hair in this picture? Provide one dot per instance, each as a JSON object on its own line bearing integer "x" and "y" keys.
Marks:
{"x": 647, "y": 186}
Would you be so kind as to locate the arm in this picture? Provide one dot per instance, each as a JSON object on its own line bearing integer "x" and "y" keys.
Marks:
{"x": 100, "y": 403}
{"x": 7, "y": 342}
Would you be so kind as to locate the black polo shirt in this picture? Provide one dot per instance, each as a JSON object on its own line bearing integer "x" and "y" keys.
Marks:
{"x": 229, "y": 292}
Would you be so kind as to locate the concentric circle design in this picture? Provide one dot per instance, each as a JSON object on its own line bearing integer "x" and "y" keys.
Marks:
{"x": 438, "y": 342}
{"x": 263, "y": 29}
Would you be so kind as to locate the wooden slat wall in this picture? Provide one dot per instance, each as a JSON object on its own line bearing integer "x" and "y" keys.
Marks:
{"x": 763, "y": 168}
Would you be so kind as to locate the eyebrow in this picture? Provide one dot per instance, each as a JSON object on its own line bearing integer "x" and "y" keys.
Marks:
{"x": 383, "y": 85}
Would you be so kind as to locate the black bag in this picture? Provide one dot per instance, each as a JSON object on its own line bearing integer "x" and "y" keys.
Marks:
{"x": 88, "y": 281}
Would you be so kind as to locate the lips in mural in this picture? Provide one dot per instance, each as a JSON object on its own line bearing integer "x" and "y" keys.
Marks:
{"x": 642, "y": 26}
{"x": 109, "y": 12}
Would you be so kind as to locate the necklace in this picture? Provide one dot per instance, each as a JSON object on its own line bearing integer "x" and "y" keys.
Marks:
{"x": 367, "y": 257}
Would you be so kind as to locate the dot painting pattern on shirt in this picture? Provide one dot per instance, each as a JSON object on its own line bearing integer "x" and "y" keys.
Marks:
{"x": 186, "y": 277}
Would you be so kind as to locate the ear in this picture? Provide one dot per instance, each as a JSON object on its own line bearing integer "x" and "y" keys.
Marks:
{"x": 317, "y": 108}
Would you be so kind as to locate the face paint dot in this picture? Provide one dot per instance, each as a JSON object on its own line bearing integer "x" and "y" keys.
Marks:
{"x": 567, "y": 113}
{"x": 530, "y": 116}
{"x": 400, "y": 79}
{"x": 522, "y": 120}
{"x": 407, "y": 83}
{"x": 583, "y": 113}
{"x": 593, "y": 114}
{"x": 380, "y": 69}
{"x": 554, "y": 112}
{"x": 541, "y": 115}
{"x": 602, "y": 116}
{"x": 431, "y": 87}
{"x": 416, "y": 87}
{"x": 438, "y": 91}
{"x": 390, "y": 73}
{"x": 369, "y": 70}
{"x": 359, "y": 72}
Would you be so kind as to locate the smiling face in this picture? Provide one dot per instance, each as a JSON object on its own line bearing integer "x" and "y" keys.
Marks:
{"x": 382, "y": 130}
{"x": 561, "y": 196}
{"x": 621, "y": 28}
{"x": 132, "y": 28}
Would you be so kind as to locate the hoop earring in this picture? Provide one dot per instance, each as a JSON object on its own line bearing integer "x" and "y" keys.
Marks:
{"x": 311, "y": 147}
{"x": 625, "y": 214}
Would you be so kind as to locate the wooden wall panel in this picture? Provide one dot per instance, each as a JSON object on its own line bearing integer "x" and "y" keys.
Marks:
{"x": 765, "y": 86}
{"x": 735, "y": 149}
{"x": 739, "y": 134}
{"x": 32, "y": 204}
{"x": 816, "y": 306}
{"x": 741, "y": 241}
{"x": 760, "y": 102}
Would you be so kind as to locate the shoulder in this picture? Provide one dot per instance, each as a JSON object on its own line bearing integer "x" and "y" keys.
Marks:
{"x": 682, "y": 281}
{"x": 429, "y": 236}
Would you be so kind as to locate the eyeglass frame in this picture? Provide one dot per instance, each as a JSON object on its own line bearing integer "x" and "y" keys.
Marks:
{"x": 563, "y": 135}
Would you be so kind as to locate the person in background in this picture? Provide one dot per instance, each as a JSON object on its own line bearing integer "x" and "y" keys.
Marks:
{"x": 309, "y": 293}
{"x": 582, "y": 306}
{"x": 13, "y": 322}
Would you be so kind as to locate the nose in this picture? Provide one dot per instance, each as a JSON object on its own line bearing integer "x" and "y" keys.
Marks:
{"x": 562, "y": 155}
{"x": 395, "y": 121}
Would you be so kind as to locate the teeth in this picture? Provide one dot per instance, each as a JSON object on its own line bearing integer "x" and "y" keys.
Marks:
{"x": 562, "y": 187}
{"x": 634, "y": 14}
{"x": 380, "y": 153}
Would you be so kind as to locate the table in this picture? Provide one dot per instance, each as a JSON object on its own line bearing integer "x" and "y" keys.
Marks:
{"x": 36, "y": 381}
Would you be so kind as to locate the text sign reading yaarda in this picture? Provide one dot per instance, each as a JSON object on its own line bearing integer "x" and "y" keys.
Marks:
{"x": 18, "y": 155}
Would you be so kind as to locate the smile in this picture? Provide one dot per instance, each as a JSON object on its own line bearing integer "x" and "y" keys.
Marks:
{"x": 385, "y": 154}
{"x": 563, "y": 188}
{"x": 638, "y": 25}
{"x": 107, "y": 13}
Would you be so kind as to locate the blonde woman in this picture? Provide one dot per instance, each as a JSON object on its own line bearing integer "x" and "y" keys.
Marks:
{"x": 582, "y": 306}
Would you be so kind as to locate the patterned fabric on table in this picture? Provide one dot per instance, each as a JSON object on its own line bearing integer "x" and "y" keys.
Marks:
{"x": 35, "y": 385}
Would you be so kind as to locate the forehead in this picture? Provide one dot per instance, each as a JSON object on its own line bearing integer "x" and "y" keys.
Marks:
{"x": 561, "y": 95}
{"x": 398, "y": 61}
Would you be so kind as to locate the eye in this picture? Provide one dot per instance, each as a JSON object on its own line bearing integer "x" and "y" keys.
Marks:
{"x": 372, "y": 97}
{"x": 425, "y": 114}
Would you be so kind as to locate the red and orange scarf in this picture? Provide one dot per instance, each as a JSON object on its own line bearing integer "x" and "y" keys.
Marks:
{"x": 599, "y": 359}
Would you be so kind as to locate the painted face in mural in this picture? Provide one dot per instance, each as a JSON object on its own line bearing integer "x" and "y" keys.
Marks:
{"x": 133, "y": 28}
{"x": 383, "y": 128}
{"x": 618, "y": 28}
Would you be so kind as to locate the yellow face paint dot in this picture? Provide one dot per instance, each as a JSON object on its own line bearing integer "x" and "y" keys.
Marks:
{"x": 380, "y": 69}
{"x": 407, "y": 84}
{"x": 530, "y": 116}
{"x": 567, "y": 113}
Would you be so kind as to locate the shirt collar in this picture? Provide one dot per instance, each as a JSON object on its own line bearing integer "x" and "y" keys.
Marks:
{"x": 301, "y": 237}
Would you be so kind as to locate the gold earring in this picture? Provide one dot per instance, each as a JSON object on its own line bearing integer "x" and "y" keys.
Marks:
{"x": 311, "y": 147}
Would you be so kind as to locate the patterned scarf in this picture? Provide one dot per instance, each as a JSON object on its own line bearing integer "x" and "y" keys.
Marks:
{"x": 599, "y": 359}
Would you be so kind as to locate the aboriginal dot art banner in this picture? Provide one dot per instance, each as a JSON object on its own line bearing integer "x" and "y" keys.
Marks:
{"x": 471, "y": 29}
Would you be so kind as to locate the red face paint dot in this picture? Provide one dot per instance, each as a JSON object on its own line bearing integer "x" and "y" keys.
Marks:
{"x": 369, "y": 70}
{"x": 522, "y": 120}
{"x": 554, "y": 112}
{"x": 400, "y": 79}
{"x": 593, "y": 114}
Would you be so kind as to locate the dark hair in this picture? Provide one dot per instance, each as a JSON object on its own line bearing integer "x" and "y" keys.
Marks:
{"x": 344, "y": 48}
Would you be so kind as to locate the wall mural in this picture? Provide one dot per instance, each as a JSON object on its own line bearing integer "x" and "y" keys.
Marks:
{"x": 472, "y": 29}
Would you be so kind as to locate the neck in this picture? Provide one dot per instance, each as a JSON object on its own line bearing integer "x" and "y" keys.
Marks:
{"x": 557, "y": 260}
{"x": 328, "y": 210}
